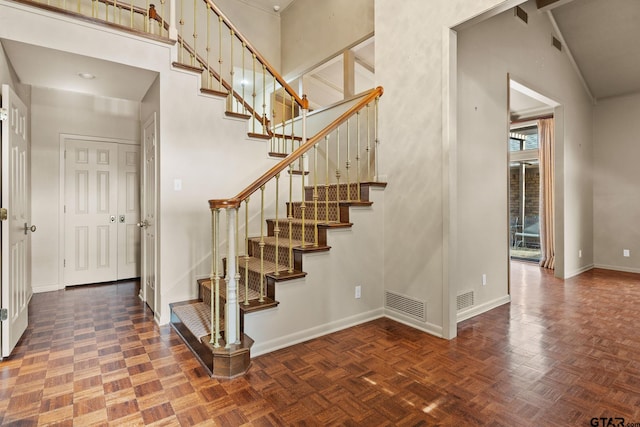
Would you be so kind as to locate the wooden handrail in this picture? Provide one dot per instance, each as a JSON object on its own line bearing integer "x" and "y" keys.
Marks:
{"x": 295, "y": 155}
{"x": 303, "y": 102}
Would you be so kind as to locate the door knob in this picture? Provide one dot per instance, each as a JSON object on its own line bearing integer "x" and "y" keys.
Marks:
{"x": 27, "y": 228}
{"x": 143, "y": 224}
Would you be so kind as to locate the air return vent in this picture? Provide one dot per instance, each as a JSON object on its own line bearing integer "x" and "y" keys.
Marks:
{"x": 520, "y": 13}
{"x": 464, "y": 300}
{"x": 406, "y": 305}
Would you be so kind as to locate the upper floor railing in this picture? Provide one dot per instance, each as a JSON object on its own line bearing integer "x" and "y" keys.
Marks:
{"x": 208, "y": 43}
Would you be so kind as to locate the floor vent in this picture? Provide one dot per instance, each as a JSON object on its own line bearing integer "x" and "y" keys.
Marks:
{"x": 406, "y": 305}
{"x": 464, "y": 300}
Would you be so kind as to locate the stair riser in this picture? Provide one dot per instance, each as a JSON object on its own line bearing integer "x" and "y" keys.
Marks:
{"x": 270, "y": 254}
{"x": 353, "y": 190}
{"x": 254, "y": 283}
{"x": 310, "y": 214}
{"x": 296, "y": 232}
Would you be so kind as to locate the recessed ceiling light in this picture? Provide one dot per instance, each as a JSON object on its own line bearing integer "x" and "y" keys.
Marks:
{"x": 87, "y": 76}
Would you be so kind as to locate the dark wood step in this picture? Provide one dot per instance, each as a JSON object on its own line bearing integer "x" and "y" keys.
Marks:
{"x": 309, "y": 230}
{"x": 253, "y": 299}
{"x": 214, "y": 92}
{"x": 186, "y": 67}
{"x": 219, "y": 362}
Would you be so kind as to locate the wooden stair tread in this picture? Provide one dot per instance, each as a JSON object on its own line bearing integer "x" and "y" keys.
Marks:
{"x": 214, "y": 92}
{"x": 187, "y": 67}
{"x": 283, "y": 244}
{"x": 284, "y": 222}
{"x": 263, "y": 136}
{"x": 254, "y": 297}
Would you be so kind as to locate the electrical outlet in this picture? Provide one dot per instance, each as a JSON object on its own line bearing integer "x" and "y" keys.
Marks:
{"x": 484, "y": 280}
{"x": 580, "y": 253}
{"x": 626, "y": 252}
{"x": 358, "y": 291}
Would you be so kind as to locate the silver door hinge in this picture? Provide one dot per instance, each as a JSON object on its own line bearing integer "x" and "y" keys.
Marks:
{"x": 3, "y": 214}
{"x": 4, "y": 314}
{"x": 4, "y": 114}
{"x": 64, "y": 263}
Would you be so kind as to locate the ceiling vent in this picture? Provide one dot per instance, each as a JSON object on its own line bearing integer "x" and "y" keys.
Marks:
{"x": 406, "y": 305}
{"x": 464, "y": 300}
{"x": 556, "y": 43}
{"x": 520, "y": 13}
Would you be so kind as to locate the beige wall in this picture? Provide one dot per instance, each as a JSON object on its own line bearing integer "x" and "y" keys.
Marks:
{"x": 425, "y": 203}
{"x": 487, "y": 52}
{"x": 265, "y": 37}
{"x": 313, "y": 31}
{"x": 616, "y": 194}
{"x": 409, "y": 65}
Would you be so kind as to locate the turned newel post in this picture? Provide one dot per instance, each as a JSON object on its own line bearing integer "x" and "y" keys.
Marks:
{"x": 232, "y": 309}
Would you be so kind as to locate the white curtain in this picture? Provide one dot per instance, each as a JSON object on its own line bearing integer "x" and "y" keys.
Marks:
{"x": 547, "y": 206}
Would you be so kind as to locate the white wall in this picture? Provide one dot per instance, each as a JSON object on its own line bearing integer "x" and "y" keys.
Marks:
{"x": 324, "y": 300}
{"x": 616, "y": 194}
{"x": 54, "y": 113}
{"x": 8, "y": 76}
{"x": 313, "y": 31}
{"x": 487, "y": 52}
{"x": 261, "y": 28}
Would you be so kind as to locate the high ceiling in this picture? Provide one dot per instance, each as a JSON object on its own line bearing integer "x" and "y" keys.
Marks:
{"x": 268, "y": 5}
{"x": 602, "y": 36}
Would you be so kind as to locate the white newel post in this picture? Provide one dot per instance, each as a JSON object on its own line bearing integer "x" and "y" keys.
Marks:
{"x": 173, "y": 29}
{"x": 231, "y": 309}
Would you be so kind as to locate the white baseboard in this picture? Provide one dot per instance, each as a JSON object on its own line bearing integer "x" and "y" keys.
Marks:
{"x": 578, "y": 271}
{"x": 318, "y": 331}
{"x": 44, "y": 288}
{"x": 617, "y": 268}
{"x": 482, "y": 308}
{"x": 429, "y": 328}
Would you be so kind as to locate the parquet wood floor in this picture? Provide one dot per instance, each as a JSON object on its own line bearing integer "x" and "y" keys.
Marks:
{"x": 561, "y": 353}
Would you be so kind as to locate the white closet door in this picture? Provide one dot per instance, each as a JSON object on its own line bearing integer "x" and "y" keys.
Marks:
{"x": 128, "y": 211}
{"x": 91, "y": 212}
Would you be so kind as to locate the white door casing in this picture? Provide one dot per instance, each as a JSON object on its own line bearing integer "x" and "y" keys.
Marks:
{"x": 16, "y": 230}
{"x": 101, "y": 209}
{"x": 149, "y": 213}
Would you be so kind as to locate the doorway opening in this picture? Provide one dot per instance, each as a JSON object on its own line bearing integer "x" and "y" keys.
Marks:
{"x": 524, "y": 193}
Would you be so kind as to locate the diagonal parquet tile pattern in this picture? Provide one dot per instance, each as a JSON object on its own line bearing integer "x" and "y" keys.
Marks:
{"x": 561, "y": 353}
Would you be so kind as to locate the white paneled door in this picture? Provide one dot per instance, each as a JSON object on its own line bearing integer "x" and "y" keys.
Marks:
{"x": 101, "y": 209}
{"x": 17, "y": 228}
{"x": 148, "y": 224}
{"x": 128, "y": 211}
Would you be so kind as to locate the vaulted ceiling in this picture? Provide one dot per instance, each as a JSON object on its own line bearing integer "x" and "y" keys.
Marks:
{"x": 603, "y": 38}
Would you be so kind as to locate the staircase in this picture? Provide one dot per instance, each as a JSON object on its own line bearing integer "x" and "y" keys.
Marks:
{"x": 326, "y": 174}
{"x": 192, "y": 319}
